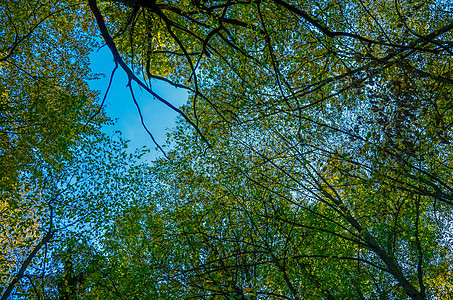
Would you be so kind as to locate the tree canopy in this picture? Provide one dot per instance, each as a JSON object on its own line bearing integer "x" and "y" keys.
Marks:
{"x": 313, "y": 159}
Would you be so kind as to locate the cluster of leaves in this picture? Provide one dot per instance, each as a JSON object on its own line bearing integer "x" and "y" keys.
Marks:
{"x": 328, "y": 169}
{"x": 44, "y": 104}
{"x": 61, "y": 179}
{"x": 313, "y": 160}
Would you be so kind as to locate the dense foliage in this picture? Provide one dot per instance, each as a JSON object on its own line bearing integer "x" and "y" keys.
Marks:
{"x": 61, "y": 178}
{"x": 312, "y": 161}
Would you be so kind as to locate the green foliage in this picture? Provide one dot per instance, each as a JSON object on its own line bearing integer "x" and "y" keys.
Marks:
{"x": 59, "y": 174}
{"x": 328, "y": 169}
{"x": 44, "y": 106}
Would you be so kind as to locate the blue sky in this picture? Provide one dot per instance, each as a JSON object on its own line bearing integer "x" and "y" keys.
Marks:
{"x": 119, "y": 105}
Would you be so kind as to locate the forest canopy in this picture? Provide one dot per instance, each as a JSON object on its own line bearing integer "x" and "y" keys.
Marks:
{"x": 312, "y": 160}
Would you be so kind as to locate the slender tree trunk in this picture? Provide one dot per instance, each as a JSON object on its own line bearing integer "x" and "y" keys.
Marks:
{"x": 25, "y": 265}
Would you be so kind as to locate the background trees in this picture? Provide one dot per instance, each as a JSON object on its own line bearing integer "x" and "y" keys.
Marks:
{"x": 323, "y": 178}
{"x": 44, "y": 105}
{"x": 61, "y": 178}
{"x": 313, "y": 159}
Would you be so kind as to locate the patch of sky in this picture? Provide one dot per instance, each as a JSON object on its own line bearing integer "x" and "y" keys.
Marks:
{"x": 120, "y": 107}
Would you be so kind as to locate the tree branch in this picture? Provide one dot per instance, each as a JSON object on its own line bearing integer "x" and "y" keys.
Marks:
{"x": 25, "y": 265}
